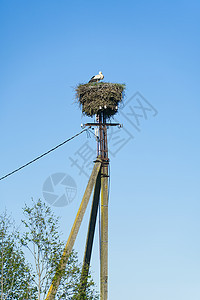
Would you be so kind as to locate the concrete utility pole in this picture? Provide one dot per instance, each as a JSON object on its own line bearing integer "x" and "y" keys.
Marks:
{"x": 99, "y": 183}
{"x": 104, "y": 209}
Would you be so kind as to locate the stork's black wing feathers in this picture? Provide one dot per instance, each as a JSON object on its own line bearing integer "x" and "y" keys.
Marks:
{"x": 92, "y": 79}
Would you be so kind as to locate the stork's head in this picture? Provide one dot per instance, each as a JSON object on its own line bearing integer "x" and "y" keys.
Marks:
{"x": 100, "y": 73}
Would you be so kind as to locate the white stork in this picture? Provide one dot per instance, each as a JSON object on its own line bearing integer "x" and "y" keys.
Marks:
{"x": 97, "y": 78}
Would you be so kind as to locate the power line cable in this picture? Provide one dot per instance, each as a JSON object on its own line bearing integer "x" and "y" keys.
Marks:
{"x": 42, "y": 155}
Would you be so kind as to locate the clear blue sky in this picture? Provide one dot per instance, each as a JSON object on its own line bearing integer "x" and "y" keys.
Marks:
{"x": 47, "y": 47}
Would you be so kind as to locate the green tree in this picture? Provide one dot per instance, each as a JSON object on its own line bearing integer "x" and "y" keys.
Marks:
{"x": 42, "y": 238}
{"x": 16, "y": 280}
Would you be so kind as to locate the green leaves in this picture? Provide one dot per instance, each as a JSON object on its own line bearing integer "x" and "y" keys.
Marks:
{"x": 16, "y": 281}
{"x": 41, "y": 236}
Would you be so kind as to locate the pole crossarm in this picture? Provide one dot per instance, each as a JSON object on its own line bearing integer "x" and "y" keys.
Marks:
{"x": 74, "y": 231}
{"x": 101, "y": 124}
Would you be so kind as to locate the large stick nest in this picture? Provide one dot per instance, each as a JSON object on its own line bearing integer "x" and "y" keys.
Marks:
{"x": 95, "y": 97}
